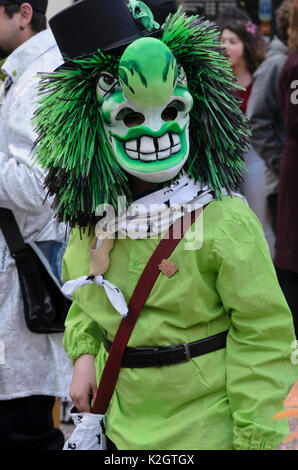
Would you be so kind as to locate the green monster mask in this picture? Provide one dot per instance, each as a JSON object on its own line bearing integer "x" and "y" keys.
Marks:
{"x": 146, "y": 111}
{"x": 161, "y": 106}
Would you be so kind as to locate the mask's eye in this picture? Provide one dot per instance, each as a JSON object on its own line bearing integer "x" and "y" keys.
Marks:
{"x": 106, "y": 83}
{"x": 182, "y": 78}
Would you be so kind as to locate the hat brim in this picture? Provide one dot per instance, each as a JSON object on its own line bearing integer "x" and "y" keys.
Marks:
{"x": 115, "y": 49}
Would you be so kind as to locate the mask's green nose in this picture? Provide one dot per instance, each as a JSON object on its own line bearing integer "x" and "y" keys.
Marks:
{"x": 148, "y": 73}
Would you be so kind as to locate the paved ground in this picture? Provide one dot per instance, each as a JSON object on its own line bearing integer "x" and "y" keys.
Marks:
{"x": 67, "y": 430}
{"x": 291, "y": 403}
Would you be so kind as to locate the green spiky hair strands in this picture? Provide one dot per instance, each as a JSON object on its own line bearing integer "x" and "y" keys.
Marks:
{"x": 218, "y": 129}
{"x": 72, "y": 146}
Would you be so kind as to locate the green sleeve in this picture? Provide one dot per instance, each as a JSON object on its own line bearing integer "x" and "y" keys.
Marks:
{"x": 82, "y": 334}
{"x": 259, "y": 369}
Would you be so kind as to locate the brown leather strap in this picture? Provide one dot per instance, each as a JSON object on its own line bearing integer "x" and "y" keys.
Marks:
{"x": 141, "y": 292}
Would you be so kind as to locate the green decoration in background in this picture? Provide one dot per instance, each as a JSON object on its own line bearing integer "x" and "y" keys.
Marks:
{"x": 142, "y": 12}
{"x": 75, "y": 149}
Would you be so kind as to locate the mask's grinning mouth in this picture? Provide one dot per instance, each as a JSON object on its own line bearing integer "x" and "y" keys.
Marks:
{"x": 151, "y": 149}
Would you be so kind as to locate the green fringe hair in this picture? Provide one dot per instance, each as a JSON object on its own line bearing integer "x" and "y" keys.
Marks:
{"x": 72, "y": 146}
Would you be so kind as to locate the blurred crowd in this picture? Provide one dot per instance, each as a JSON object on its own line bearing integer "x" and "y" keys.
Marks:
{"x": 36, "y": 368}
{"x": 267, "y": 75}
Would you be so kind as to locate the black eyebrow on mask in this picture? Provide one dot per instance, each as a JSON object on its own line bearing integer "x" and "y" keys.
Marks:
{"x": 170, "y": 64}
{"x": 133, "y": 66}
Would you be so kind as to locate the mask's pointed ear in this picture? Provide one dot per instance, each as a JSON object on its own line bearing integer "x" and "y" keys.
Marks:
{"x": 218, "y": 129}
{"x": 72, "y": 146}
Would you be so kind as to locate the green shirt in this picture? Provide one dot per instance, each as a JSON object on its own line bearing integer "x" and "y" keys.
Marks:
{"x": 221, "y": 400}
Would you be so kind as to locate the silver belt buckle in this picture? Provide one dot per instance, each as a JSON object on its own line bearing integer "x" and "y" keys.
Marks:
{"x": 187, "y": 351}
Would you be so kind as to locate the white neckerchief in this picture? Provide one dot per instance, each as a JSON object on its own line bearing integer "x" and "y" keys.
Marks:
{"x": 156, "y": 212}
{"x": 113, "y": 293}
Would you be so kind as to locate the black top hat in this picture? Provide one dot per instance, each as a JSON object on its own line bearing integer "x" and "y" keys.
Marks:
{"x": 89, "y": 25}
{"x": 161, "y": 8}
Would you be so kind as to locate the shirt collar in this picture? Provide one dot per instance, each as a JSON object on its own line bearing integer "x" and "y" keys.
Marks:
{"x": 26, "y": 53}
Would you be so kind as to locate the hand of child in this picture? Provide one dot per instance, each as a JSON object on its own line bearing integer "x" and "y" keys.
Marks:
{"x": 83, "y": 386}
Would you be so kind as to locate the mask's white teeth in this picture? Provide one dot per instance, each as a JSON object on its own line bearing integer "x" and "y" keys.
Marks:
{"x": 132, "y": 154}
{"x": 131, "y": 145}
{"x": 164, "y": 154}
{"x": 147, "y": 145}
{"x": 175, "y": 149}
{"x": 176, "y": 139}
{"x": 150, "y": 149}
{"x": 148, "y": 157}
{"x": 176, "y": 145}
{"x": 164, "y": 142}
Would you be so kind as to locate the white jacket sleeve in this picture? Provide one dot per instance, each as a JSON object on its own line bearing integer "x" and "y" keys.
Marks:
{"x": 21, "y": 186}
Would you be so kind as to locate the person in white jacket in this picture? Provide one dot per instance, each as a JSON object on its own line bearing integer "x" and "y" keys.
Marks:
{"x": 34, "y": 368}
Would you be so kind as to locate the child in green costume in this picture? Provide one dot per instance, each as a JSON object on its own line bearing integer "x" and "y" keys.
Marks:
{"x": 135, "y": 136}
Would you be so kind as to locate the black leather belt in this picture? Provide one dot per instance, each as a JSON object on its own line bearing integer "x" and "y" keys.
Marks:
{"x": 166, "y": 355}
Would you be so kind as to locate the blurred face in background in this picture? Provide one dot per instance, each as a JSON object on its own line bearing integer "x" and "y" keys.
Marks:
{"x": 9, "y": 31}
{"x": 16, "y": 29}
{"x": 234, "y": 48}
